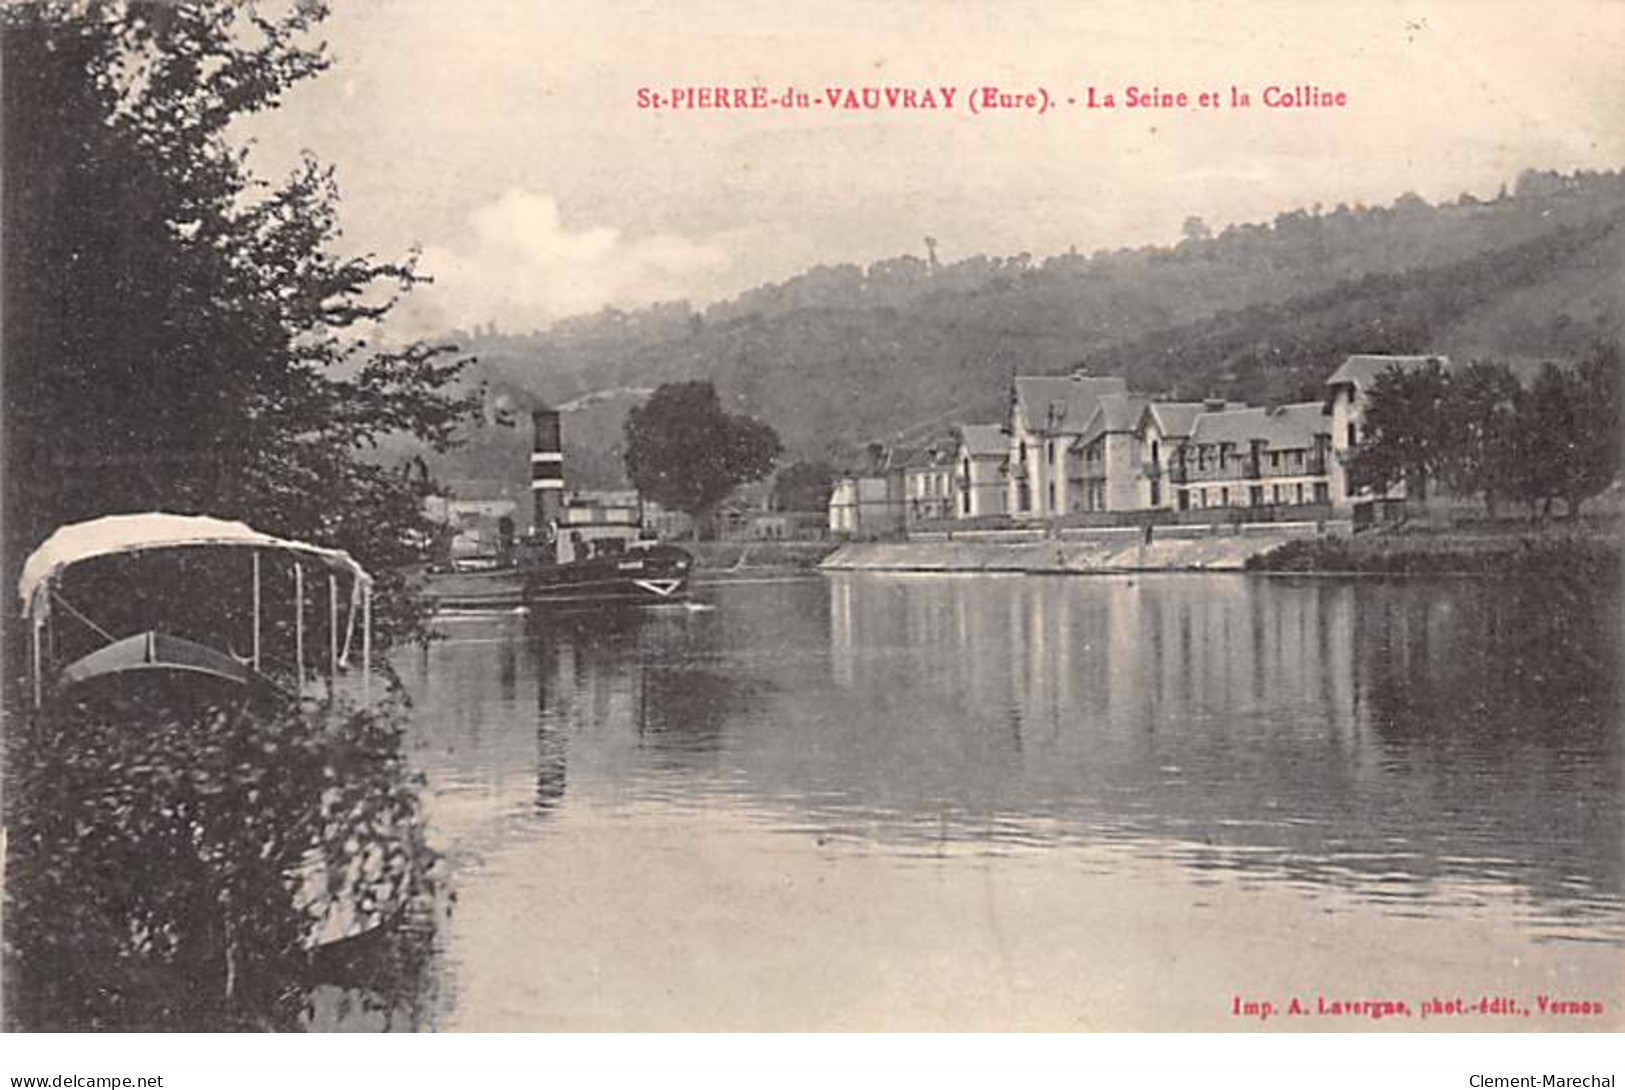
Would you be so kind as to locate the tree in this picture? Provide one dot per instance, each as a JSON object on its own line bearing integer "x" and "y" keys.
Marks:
{"x": 803, "y": 486}
{"x": 1546, "y": 427}
{"x": 1479, "y": 418}
{"x": 685, "y": 452}
{"x": 1406, "y": 428}
{"x": 181, "y": 334}
{"x": 1594, "y": 451}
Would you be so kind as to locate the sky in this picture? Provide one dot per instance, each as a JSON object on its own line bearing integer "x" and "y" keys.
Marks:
{"x": 504, "y": 138}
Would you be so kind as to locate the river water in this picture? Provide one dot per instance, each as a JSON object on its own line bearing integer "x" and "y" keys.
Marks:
{"x": 865, "y": 801}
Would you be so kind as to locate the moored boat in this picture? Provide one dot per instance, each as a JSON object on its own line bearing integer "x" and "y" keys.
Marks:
{"x": 154, "y": 597}
{"x": 204, "y": 634}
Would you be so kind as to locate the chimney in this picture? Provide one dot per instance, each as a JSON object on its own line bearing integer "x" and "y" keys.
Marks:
{"x": 546, "y": 468}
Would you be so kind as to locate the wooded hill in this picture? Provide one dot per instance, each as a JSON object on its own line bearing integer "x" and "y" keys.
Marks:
{"x": 840, "y": 356}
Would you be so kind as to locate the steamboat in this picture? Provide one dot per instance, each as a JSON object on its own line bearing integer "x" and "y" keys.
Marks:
{"x": 578, "y": 556}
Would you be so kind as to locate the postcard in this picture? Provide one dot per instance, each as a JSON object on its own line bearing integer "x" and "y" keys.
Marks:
{"x": 532, "y": 516}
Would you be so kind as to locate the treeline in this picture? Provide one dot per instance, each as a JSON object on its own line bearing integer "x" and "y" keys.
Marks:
{"x": 1330, "y": 244}
{"x": 1477, "y": 431}
{"x": 1281, "y": 352}
{"x": 1259, "y": 312}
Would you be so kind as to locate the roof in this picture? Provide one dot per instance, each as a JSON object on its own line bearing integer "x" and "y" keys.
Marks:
{"x": 921, "y": 457}
{"x": 1114, "y": 413}
{"x": 1175, "y": 417}
{"x": 985, "y": 440}
{"x": 1363, "y": 370}
{"x": 1064, "y": 403}
{"x": 117, "y": 534}
{"x": 1282, "y": 427}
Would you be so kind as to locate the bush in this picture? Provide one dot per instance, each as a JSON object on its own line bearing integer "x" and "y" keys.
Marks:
{"x": 172, "y": 861}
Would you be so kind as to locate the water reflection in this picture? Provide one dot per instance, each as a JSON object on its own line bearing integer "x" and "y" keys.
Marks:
{"x": 1431, "y": 747}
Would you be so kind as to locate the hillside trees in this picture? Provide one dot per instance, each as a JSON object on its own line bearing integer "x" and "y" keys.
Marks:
{"x": 180, "y": 334}
{"x": 685, "y": 452}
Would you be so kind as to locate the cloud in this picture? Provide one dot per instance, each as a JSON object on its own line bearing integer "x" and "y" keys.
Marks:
{"x": 521, "y": 266}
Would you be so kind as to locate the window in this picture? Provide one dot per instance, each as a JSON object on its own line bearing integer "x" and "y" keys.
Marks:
{"x": 1297, "y": 459}
{"x": 1184, "y": 499}
{"x": 1322, "y": 494}
{"x": 1353, "y": 434}
{"x": 1224, "y": 497}
{"x": 1255, "y": 495}
{"x": 1300, "y": 492}
{"x": 1155, "y": 454}
{"x": 1278, "y": 496}
{"x": 1275, "y": 459}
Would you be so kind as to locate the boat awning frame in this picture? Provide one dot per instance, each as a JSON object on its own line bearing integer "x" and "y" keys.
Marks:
{"x": 124, "y": 534}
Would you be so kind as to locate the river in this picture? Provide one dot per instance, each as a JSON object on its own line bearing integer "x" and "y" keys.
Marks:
{"x": 868, "y": 801}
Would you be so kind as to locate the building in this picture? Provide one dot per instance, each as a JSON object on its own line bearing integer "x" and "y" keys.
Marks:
{"x": 1083, "y": 445}
{"x": 929, "y": 493}
{"x": 1163, "y": 428}
{"x": 981, "y": 475}
{"x": 1048, "y": 414}
{"x": 1254, "y": 457}
{"x": 788, "y": 526}
{"x": 1104, "y": 464}
{"x": 665, "y": 523}
{"x": 479, "y": 520}
{"x": 1348, "y": 392}
{"x": 865, "y": 505}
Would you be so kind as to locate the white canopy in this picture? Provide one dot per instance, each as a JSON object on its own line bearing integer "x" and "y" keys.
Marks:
{"x": 155, "y": 530}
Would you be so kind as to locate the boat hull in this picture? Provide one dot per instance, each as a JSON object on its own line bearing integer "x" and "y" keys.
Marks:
{"x": 639, "y": 577}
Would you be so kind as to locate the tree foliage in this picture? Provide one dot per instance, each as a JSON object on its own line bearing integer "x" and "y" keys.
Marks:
{"x": 1406, "y": 430}
{"x": 803, "y": 486}
{"x": 1594, "y": 394}
{"x": 1480, "y": 415}
{"x": 170, "y": 862}
{"x": 180, "y": 334}
{"x": 1479, "y": 432}
{"x": 684, "y": 451}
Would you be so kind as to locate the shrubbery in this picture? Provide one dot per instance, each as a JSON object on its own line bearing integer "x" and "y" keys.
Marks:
{"x": 1593, "y": 560}
{"x": 171, "y": 863}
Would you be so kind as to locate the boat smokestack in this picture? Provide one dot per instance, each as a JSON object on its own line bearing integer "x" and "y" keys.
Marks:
{"x": 546, "y": 468}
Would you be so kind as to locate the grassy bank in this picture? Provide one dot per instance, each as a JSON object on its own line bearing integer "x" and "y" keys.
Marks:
{"x": 715, "y": 556}
{"x": 1586, "y": 554}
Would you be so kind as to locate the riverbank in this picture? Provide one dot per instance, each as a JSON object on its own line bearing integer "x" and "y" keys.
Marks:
{"x": 1072, "y": 552}
{"x": 1588, "y": 554}
{"x": 713, "y": 557}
